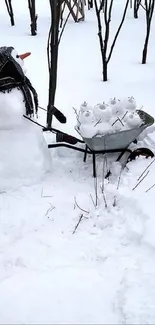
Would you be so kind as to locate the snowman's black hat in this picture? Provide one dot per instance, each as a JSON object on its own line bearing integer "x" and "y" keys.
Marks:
{"x": 12, "y": 76}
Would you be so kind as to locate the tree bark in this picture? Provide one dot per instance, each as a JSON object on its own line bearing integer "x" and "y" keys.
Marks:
{"x": 149, "y": 8}
{"x": 53, "y": 56}
{"x": 33, "y": 17}
{"x": 144, "y": 55}
{"x": 105, "y": 70}
{"x": 10, "y": 11}
{"x": 135, "y": 11}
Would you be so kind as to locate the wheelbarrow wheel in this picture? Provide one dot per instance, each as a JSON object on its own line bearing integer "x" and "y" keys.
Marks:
{"x": 140, "y": 152}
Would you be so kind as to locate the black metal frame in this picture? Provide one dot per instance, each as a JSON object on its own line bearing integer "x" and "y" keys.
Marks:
{"x": 87, "y": 151}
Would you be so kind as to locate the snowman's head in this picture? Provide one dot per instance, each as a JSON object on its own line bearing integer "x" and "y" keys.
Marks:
{"x": 11, "y": 63}
{"x": 12, "y": 75}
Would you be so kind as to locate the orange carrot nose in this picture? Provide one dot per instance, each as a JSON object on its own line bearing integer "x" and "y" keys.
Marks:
{"x": 25, "y": 55}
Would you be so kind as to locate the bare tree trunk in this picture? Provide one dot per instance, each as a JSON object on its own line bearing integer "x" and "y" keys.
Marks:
{"x": 52, "y": 54}
{"x": 105, "y": 70}
{"x": 10, "y": 11}
{"x": 144, "y": 55}
{"x": 33, "y": 16}
{"x": 149, "y": 9}
{"x": 90, "y": 4}
{"x": 136, "y": 8}
{"x": 53, "y": 43}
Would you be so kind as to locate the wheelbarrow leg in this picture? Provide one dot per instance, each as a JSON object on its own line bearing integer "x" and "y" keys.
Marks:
{"x": 118, "y": 159}
{"x": 85, "y": 154}
{"x": 94, "y": 164}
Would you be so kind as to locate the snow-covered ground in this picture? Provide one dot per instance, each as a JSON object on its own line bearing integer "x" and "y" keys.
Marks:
{"x": 104, "y": 271}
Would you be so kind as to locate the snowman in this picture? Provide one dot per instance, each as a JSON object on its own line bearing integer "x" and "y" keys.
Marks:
{"x": 24, "y": 156}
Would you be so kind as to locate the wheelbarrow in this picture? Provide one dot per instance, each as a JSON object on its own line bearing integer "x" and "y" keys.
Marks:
{"x": 108, "y": 143}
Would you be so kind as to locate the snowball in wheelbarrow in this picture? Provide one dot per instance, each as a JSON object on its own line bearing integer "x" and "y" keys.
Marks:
{"x": 119, "y": 140}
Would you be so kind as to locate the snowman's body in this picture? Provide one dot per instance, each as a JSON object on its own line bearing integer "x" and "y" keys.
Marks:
{"x": 24, "y": 155}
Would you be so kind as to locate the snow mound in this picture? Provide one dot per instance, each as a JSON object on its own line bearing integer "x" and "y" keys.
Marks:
{"x": 24, "y": 155}
{"x": 138, "y": 293}
{"x": 70, "y": 295}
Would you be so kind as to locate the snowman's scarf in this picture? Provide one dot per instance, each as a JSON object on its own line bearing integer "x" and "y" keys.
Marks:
{"x": 8, "y": 83}
{"x": 12, "y": 76}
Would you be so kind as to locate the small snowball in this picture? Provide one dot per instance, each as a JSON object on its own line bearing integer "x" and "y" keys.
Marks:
{"x": 133, "y": 120}
{"x": 88, "y": 131}
{"x": 118, "y": 126}
{"x": 112, "y": 101}
{"x": 102, "y": 112}
{"x": 118, "y": 109}
{"x": 130, "y": 104}
{"x": 104, "y": 128}
{"x": 116, "y": 116}
{"x": 86, "y": 117}
{"x": 85, "y": 107}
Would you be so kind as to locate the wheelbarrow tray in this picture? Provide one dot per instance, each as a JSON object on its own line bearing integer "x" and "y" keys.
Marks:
{"x": 121, "y": 139}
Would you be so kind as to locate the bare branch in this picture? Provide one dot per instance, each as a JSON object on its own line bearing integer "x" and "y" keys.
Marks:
{"x": 117, "y": 33}
{"x": 76, "y": 204}
{"x": 140, "y": 181}
{"x": 64, "y": 25}
{"x": 142, "y": 6}
{"x": 92, "y": 200}
{"x": 49, "y": 210}
{"x": 10, "y": 11}
{"x": 149, "y": 188}
{"x": 110, "y": 10}
{"x": 80, "y": 218}
{"x": 146, "y": 169}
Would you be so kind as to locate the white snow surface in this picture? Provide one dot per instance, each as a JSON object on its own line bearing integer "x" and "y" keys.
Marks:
{"x": 104, "y": 271}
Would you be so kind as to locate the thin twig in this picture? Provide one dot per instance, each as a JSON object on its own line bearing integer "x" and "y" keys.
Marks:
{"x": 77, "y": 115}
{"x": 62, "y": 11}
{"x": 48, "y": 48}
{"x": 103, "y": 173}
{"x": 142, "y": 6}
{"x": 140, "y": 181}
{"x": 118, "y": 184}
{"x": 76, "y": 204}
{"x": 120, "y": 121}
{"x": 96, "y": 192}
{"x": 119, "y": 179}
{"x": 45, "y": 196}
{"x": 80, "y": 218}
{"x": 118, "y": 30}
{"x": 98, "y": 122}
{"x": 64, "y": 25}
{"x": 49, "y": 210}
{"x": 104, "y": 198}
{"x": 114, "y": 122}
{"x": 146, "y": 169}
{"x": 124, "y": 115}
{"x": 103, "y": 178}
{"x": 149, "y": 188}
{"x": 92, "y": 200}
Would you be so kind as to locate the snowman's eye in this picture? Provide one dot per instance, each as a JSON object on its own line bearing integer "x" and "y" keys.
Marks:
{"x": 17, "y": 56}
